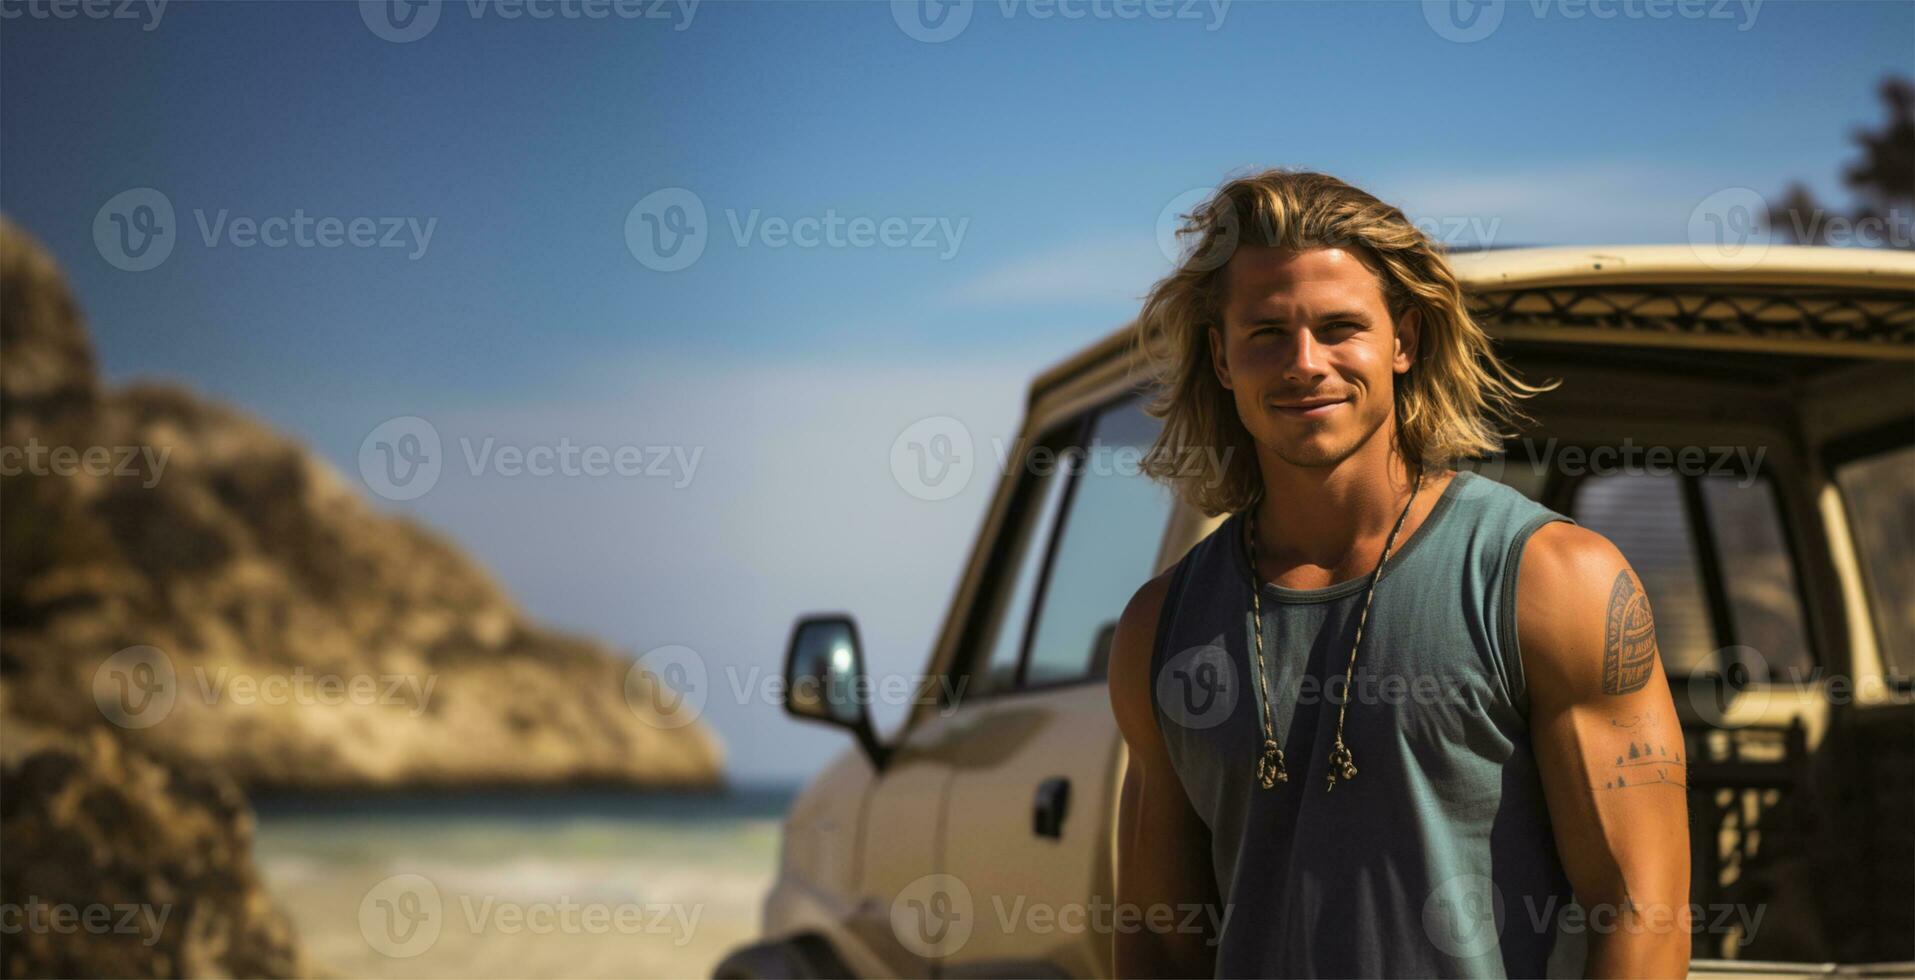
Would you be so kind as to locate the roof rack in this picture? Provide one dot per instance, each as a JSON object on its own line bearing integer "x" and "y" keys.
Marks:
{"x": 1846, "y": 322}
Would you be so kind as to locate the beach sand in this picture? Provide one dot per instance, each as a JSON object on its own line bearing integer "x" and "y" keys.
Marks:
{"x": 507, "y": 895}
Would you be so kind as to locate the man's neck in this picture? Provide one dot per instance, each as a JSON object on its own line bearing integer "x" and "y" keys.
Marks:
{"x": 1320, "y": 526}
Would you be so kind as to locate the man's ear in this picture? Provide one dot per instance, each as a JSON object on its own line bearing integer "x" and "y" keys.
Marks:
{"x": 1409, "y": 333}
{"x": 1217, "y": 361}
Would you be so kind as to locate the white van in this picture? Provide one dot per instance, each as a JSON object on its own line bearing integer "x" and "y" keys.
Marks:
{"x": 978, "y": 841}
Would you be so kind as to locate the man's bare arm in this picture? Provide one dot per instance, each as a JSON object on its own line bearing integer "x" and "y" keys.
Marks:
{"x": 1609, "y": 747}
{"x": 1163, "y": 847}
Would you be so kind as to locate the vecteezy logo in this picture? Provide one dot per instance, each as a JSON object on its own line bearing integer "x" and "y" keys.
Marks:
{"x": 931, "y": 21}
{"x": 401, "y": 916}
{"x": 666, "y": 229}
{"x": 667, "y": 687}
{"x": 136, "y": 687}
{"x": 134, "y": 230}
{"x": 932, "y": 458}
{"x": 1488, "y": 470}
{"x": 932, "y": 916}
{"x": 400, "y": 460}
{"x": 1170, "y": 222}
{"x": 1730, "y": 689}
{"x": 1464, "y": 915}
{"x": 1729, "y": 230}
{"x": 1197, "y": 688}
{"x": 1463, "y": 21}
{"x": 399, "y": 21}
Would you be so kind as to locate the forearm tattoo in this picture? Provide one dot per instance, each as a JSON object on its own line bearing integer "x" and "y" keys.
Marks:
{"x": 1629, "y": 638}
{"x": 1646, "y": 760}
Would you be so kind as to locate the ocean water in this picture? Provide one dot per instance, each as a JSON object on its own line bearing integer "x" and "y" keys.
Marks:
{"x": 573, "y": 884}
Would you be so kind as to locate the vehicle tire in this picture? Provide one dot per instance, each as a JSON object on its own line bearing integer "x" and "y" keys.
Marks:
{"x": 803, "y": 959}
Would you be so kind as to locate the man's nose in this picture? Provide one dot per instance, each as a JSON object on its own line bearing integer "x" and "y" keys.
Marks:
{"x": 1304, "y": 359}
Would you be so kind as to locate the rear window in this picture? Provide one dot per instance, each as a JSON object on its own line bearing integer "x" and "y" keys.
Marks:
{"x": 1642, "y": 515}
{"x": 1880, "y": 493}
{"x": 1714, "y": 559}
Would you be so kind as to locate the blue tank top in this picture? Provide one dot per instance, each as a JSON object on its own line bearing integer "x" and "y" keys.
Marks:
{"x": 1437, "y": 859}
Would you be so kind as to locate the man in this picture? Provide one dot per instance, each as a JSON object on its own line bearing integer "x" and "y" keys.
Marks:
{"x": 1407, "y": 775}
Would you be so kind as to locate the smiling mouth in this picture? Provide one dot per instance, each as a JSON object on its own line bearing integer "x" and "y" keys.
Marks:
{"x": 1311, "y": 411}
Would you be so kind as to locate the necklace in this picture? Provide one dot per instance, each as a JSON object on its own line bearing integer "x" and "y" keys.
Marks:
{"x": 1270, "y": 768}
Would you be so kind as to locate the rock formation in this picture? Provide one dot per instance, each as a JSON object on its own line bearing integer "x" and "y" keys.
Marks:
{"x": 275, "y": 625}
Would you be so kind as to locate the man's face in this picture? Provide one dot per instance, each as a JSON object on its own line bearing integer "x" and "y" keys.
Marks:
{"x": 1308, "y": 350}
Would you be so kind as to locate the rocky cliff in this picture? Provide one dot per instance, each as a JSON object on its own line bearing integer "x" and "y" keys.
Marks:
{"x": 204, "y": 590}
{"x": 119, "y": 865}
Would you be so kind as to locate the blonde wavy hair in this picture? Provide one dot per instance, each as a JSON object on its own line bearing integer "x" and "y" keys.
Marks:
{"x": 1448, "y": 405}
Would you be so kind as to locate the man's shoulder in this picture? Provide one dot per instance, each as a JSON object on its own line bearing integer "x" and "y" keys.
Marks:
{"x": 1137, "y": 626}
{"x": 1213, "y": 545}
{"x": 1488, "y": 493}
{"x": 1572, "y": 585}
{"x": 1508, "y": 522}
{"x": 1565, "y": 555}
{"x": 1143, "y": 613}
{"x": 1561, "y": 562}
{"x": 1133, "y": 652}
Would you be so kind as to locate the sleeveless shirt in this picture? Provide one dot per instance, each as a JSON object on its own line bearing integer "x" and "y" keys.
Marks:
{"x": 1437, "y": 859}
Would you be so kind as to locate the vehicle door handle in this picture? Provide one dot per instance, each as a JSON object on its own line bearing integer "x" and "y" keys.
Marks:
{"x": 1052, "y": 803}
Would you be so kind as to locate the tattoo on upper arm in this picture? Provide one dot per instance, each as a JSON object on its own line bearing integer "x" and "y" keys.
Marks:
{"x": 1629, "y": 637}
{"x": 1646, "y": 761}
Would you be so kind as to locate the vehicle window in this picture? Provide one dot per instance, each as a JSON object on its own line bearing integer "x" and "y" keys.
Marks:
{"x": 1106, "y": 547}
{"x": 1758, "y": 574}
{"x": 1028, "y": 543}
{"x": 1642, "y": 514}
{"x": 1880, "y": 493}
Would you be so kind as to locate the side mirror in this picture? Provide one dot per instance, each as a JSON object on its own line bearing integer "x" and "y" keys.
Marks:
{"x": 825, "y": 680}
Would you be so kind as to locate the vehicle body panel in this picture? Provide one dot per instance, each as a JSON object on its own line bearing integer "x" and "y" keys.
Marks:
{"x": 1802, "y": 349}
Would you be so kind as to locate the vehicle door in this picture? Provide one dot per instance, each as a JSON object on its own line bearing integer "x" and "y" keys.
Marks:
{"x": 1862, "y": 425}
{"x": 1035, "y": 751}
{"x": 913, "y": 911}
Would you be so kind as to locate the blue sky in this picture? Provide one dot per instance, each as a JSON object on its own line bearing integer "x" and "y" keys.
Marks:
{"x": 1029, "y": 157}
